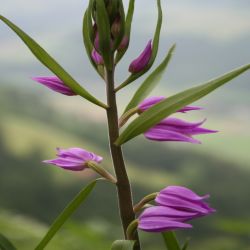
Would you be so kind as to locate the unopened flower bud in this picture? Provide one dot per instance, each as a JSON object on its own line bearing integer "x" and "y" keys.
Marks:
{"x": 124, "y": 43}
{"x": 142, "y": 61}
{"x": 96, "y": 57}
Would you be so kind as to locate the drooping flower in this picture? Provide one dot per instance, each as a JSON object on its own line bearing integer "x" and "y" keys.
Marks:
{"x": 174, "y": 129}
{"x": 175, "y": 206}
{"x": 75, "y": 159}
{"x": 97, "y": 57}
{"x": 151, "y": 101}
{"x": 54, "y": 83}
{"x": 142, "y": 61}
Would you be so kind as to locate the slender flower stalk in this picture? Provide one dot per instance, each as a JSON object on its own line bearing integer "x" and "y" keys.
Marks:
{"x": 123, "y": 185}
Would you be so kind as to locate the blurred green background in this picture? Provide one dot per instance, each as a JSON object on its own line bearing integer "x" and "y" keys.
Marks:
{"x": 212, "y": 37}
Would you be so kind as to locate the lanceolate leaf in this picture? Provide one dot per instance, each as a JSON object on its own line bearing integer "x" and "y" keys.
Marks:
{"x": 123, "y": 245}
{"x": 51, "y": 64}
{"x": 170, "y": 105}
{"x": 170, "y": 240}
{"x": 66, "y": 213}
{"x": 185, "y": 246}
{"x": 128, "y": 24}
{"x": 155, "y": 47}
{"x": 86, "y": 39}
{"x": 151, "y": 81}
{"x": 5, "y": 244}
{"x": 103, "y": 26}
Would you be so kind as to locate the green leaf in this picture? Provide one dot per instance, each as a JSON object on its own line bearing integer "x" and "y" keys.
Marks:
{"x": 171, "y": 104}
{"x": 185, "y": 246}
{"x": 103, "y": 26}
{"x": 151, "y": 81}
{"x": 170, "y": 241}
{"x": 66, "y": 213}
{"x": 86, "y": 39}
{"x": 155, "y": 47}
{"x": 128, "y": 23}
{"x": 123, "y": 245}
{"x": 5, "y": 244}
{"x": 51, "y": 64}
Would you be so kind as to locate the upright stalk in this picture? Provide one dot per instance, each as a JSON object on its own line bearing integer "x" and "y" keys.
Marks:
{"x": 123, "y": 186}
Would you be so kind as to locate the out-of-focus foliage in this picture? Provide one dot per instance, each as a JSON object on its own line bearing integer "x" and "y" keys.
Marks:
{"x": 28, "y": 134}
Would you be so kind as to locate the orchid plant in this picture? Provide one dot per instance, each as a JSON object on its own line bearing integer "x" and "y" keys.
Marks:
{"x": 106, "y": 36}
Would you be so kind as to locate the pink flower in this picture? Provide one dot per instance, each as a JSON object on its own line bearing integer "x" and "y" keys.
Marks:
{"x": 175, "y": 206}
{"x": 142, "y": 61}
{"x": 54, "y": 83}
{"x": 75, "y": 159}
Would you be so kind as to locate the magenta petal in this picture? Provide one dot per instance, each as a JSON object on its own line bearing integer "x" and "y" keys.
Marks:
{"x": 160, "y": 224}
{"x": 189, "y": 108}
{"x": 169, "y": 213}
{"x": 55, "y": 84}
{"x": 179, "y": 123}
{"x": 182, "y": 204}
{"x": 149, "y": 102}
{"x": 158, "y": 134}
{"x": 183, "y": 192}
{"x": 142, "y": 61}
{"x": 96, "y": 57}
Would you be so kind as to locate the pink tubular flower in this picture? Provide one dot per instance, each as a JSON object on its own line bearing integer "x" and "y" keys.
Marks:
{"x": 174, "y": 129}
{"x": 54, "y": 83}
{"x": 175, "y": 206}
{"x": 97, "y": 57}
{"x": 74, "y": 159}
{"x": 151, "y": 101}
{"x": 142, "y": 61}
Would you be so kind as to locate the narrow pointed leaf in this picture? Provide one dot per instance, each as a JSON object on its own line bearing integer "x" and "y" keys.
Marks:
{"x": 51, "y": 64}
{"x": 151, "y": 82}
{"x": 102, "y": 21}
{"x": 170, "y": 105}
{"x": 155, "y": 47}
{"x": 5, "y": 244}
{"x": 86, "y": 39}
{"x": 123, "y": 245}
{"x": 186, "y": 244}
{"x": 170, "y": 240}
{"x": 128, "y": 24}
{"x": 66, "y": 213}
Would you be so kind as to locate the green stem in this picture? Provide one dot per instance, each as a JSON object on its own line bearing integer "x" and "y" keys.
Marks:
{"x": 144, "y": 201}
{"x": 123, "y": 185}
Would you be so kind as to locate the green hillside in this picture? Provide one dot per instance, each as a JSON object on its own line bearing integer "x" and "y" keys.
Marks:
{"x": 31, "y": 128}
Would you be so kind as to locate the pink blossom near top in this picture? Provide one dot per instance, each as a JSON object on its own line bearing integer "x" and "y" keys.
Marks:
{"x": 142, "y": 61}
{"x": 54, "y": 83}
{"x": 74, "y": 159}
